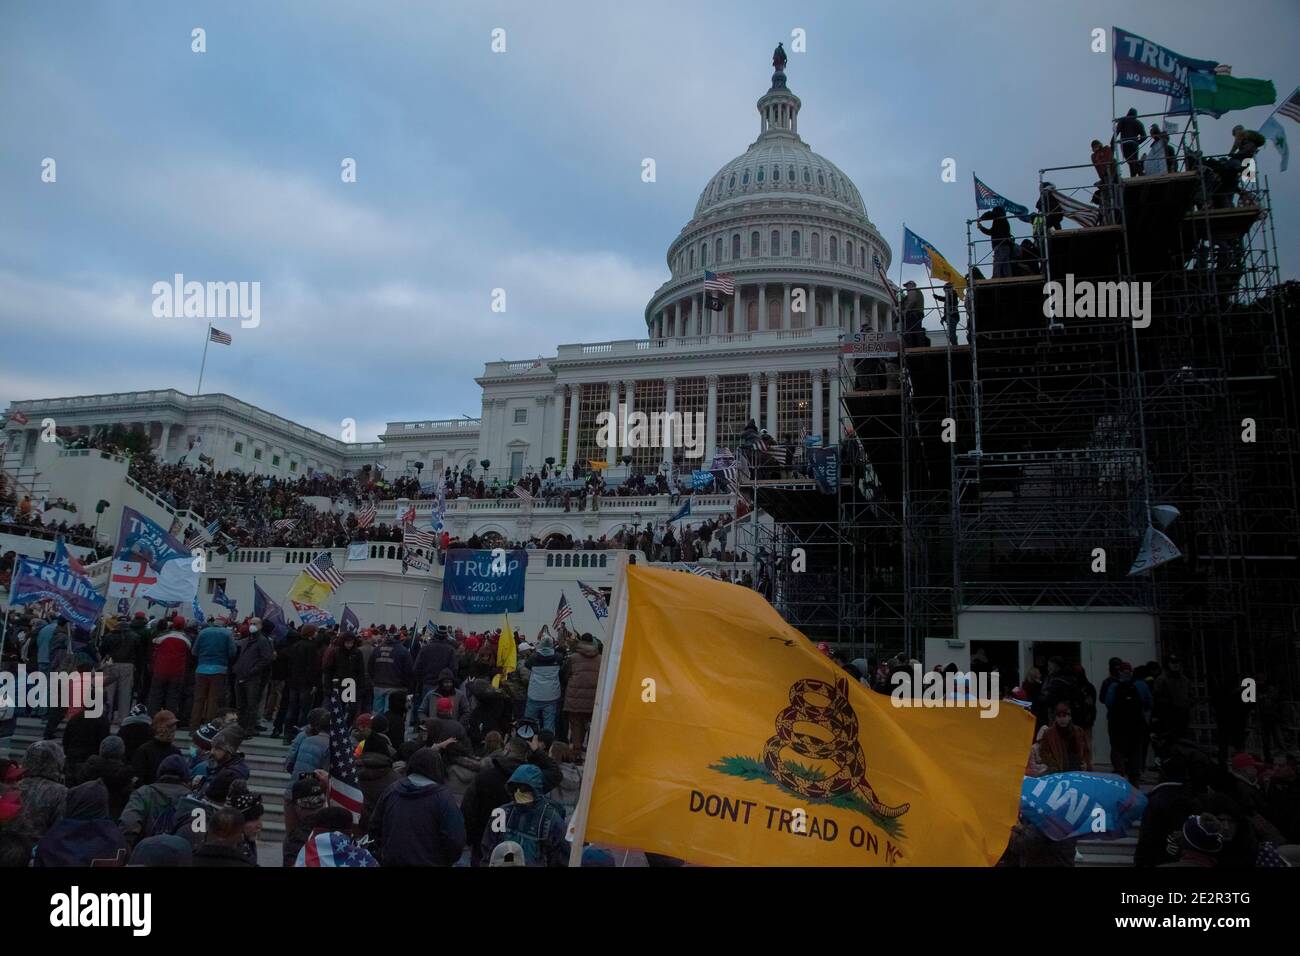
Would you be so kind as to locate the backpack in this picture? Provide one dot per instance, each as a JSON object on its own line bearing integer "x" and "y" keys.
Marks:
{"x": 1128, "y": 704}
{"x": 162, "y": 824}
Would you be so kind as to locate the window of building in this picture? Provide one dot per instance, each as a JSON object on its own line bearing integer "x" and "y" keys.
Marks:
{"x": 760, "y": 174}
{"x": 834, "y": 253}
{"x": 214, "y": 583}
{"x": 293, "y": 465}
{"x": 692, "y": 259}
{"x": 704, "y": 254}
{"x": 732, "y": 185}
{"x": 521, "y": 416}
{"x": 862, "y": 257}
{"x": 774, "y": 308}
{"x": 257, "y": 454}
{"x": 807, "y": 177}
{"x": 774, "y": 243}
{"x": 791, "y": 176}
{"x": 848, "y": 251}
{"x": 275, "y": 460}
{"x": 776, "y": 174}
{"x": 239, "y": 448}
{"x": 794, "y": 243}
{"x": 794, "y": 405}
{"x": 516, "y": 464}
{"x": 821, "y": 179}
{"x": 735, "y": 246}
{"x": 744, "y": 178}
{"x": 816, "y": 250}
{"x": 753, "y": 243}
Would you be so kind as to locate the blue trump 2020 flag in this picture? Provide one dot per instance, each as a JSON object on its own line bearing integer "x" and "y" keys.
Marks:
{"x": 481, "y": 581}
{"x": 1087, "y": 806}
{"x": 1143, "y": 65}
{"x": 272, "y": 614}
{"x": 73, "y": 594}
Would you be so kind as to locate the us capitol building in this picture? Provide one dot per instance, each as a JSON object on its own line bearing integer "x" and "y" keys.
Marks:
{"x": 777, "y": 218}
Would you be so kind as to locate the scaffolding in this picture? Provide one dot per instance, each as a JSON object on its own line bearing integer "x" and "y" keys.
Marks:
{"x": 1017, "y": 463}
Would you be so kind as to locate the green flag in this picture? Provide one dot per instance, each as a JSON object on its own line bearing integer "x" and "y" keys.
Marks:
{"x": 1230, "y": 93}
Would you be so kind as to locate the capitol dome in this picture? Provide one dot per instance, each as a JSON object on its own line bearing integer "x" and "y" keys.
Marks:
{"x": 779, "y": 217}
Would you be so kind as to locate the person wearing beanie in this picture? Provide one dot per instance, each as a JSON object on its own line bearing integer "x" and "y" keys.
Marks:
{"x": 135, "y": 730}
{"x": 342, "y": 662}
{"x": 437, "y": 655}
{"x": 151, "y": 753}
{"x": 544, "y": 691}
{"x": 151, "y": 809}
{"x": 307, "y": 796}
{"x": 416, "y": 822}
{"x": 41, "y": 788}
{"x": 214, "y": 651}
{"x": 1203, "y": 838}
{"x": 162, "y": 851}
{"x": 110, "y": 766}
{"x": 225, "y": 759}
{"x": 250, "y": 805}
{"x": 85, "y": 835}
{"x": 224, "y": 844}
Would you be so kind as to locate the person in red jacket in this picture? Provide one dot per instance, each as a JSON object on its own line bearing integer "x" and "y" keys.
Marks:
{"x": 167, "y": 665}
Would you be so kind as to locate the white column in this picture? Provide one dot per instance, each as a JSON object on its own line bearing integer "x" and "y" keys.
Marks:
{"x": 754, "y": 411}
{"x": 677, "y": 326}
{"x": 817, "y": 428}
{"x": 834, "y": 426}
{"x": 737, "y": 311}
{"x": 711, "y": 422}
{"x": 811, "y": 319}
{"x": 762, "y": 307}
{"x": 575, "y": 396}
{"x": 695, "y": 316}
{"x": 557, "y": 422}
{"x": 771, "y": 422}
{"x": 630, "y": 385}
{"x": 670, "y": 404}
{"x": 835, "y": 308}
{"x": 857, "y": 313}
{"x": 785, "y": 306}
{"x": 164, "y": 441}
{"x": 608, "y": 452}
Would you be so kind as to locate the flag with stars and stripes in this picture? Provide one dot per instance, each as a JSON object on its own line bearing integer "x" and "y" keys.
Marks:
{"x": 563, "y": 612}
{"x": 366, "y": 516}
{"x": 599, "y": 607}
{"x": 343, "y": 786}
{"x": 322, "y": 569}
{"x": 332, "y": 849}
{"x": 407, "y": 516}
{"x": 716, "y": 285}
{"x": 204, "y": 535}
{"x": 216, "y": 335}
{"x": 1081, "y": 212}
{"x": 417, "y": 538}
{"x": 285, "y": 524}
{"x": 697, "y": 570}
{"x": 522, "y": 492}
{"x": 1290, "y": 108}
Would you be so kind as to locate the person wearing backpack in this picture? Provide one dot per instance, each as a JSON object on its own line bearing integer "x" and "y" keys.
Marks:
{"x": 1128, "y": 704}
{"x": 151, "y": 809}
{"x": 531, "y": 820}
{"x": 1084, "y": 704}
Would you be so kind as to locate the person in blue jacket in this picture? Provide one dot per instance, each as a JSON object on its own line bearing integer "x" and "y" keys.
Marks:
{"x": 531, "y": 820}
{"x": 416, "y": 822}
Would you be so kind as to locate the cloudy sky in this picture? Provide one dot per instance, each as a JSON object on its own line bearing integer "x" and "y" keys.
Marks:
{"x": 477, "y": 170}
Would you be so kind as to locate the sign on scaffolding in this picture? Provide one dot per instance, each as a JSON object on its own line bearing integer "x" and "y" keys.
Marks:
{"x": 870, "y": 345}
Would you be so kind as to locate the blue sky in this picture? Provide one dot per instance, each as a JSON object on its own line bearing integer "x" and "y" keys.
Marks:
{"x": 479, "y": 170}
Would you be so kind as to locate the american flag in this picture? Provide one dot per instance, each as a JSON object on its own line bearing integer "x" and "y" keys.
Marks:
{"x": 563, "y": 612}
{"x": 343, "y": 788}
{"x": 522, "y": 492}
{"x": 595, "y": 599}
{"x": 19, "y": 417}
{"x": 1081, "y": 212}
{"x": 698, "y": 571}
{"x": 366, "y": 516}
{"x": 1291, "y": 108}
{"x": 203, "y": 535}
{"x": 284, "y": 524}
{"x": 216, "y": 335}
{"x": 415, "y": 538}
{"x": 332, "y": 849}
{"x": 769, "y": 447}
{"x": 322, "y": 569}
{"x": 723, "y": 282}
{"x": 407, "y": 516}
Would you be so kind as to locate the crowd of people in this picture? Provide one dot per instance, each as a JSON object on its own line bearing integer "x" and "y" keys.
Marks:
{"x": 444, "y": 733}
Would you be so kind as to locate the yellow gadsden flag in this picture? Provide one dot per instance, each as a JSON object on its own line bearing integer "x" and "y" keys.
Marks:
{"x": 507, "y": 653}
{"x": 307, "y": 590}
{"x": 727, "y": 739}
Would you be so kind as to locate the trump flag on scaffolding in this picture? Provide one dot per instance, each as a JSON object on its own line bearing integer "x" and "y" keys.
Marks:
{"x": 758, "y": 750}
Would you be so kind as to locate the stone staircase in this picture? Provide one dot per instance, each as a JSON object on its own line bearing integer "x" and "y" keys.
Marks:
{"x": 267, "y": 778}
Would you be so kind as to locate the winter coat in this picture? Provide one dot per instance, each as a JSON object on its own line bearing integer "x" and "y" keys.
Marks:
{"x": 584, "y": 672}
{"x": 41, "y": 788}
{"x": 147, "y": 758}
{"x": 1052, "y": 749}
{"x": 214, "y": 650}
{"x": 488, "y": 791}
{"x": 435, "y": 657}
{"x": 304, "y": 665}
{"x": 171, "y": 656}
{"x": 341, "y": 664}
{"x": 256, "y": 652}
{"x": 306, "y": 753}
{"x": 375, "y": 774}
{"x": 147, "y": 805}
{"x": 390, "y": 665}
{"x": 538, "y": 827}
{"x": 417, "y": 823}
{"x": 117, "y": 777}
{"x": 85, "y": 835}
{"x": 544, "y": 677}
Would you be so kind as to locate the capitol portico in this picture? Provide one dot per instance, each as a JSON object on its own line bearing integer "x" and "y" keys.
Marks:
{"x": 785, "y": 223}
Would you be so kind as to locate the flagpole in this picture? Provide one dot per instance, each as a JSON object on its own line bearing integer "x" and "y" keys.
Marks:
{"x": 206, "y": 339}
{"x": 600, "y": 710}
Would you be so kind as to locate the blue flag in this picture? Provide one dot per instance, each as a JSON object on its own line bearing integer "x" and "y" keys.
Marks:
{"x": 349, "y": 622}
{"x": 1143, "y": 65}
{"x": 916, "y": 250}
{"x": 683, "y": 512}
{"x": 986, "y": 198}
{"x": 73, "y": 593}
{"x": 1090, "y": 806}
{"x": 219, "y": 597}
{"x": 199, "y": 617}
{"x": 272, "y": 614}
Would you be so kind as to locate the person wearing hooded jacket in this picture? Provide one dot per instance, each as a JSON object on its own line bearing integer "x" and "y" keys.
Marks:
{"x": 416, "y": 822}
{"x": 109, "y": 766}
{"x": 531, "y": 820}
{"x": 435, "y": 656}
{"x": 252, "y": 670}
{"x": 389, "y": 670}
{"x": 41, "y": 788}
{"x": 148, "y": 805}
{"x": 309, "y": 752}
{"x": 343, "y": 661}
{"x": 583, "y": 672}
{"x": 167, "y": 666}
{"x": 488, "y": 789}
{"x": 85, "y": 835}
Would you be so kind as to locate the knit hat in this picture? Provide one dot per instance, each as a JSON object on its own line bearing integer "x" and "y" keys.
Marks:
{"x": 112, "y": 747}
{"x": 139, "y": 714}
{"x": 163, "y": 719}
{"x": 173, "y": 766}
{"x": 363, "y": 721}
{"x": 308, "y": 792}
{"x": 228, "y": 739}
{"x": 249, "y": 804}
{"x": 165, "y": 850}
{"x": 1204, "y": 833}
{"x": 508, "y": 853}
{"x": 204, "y": 735}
